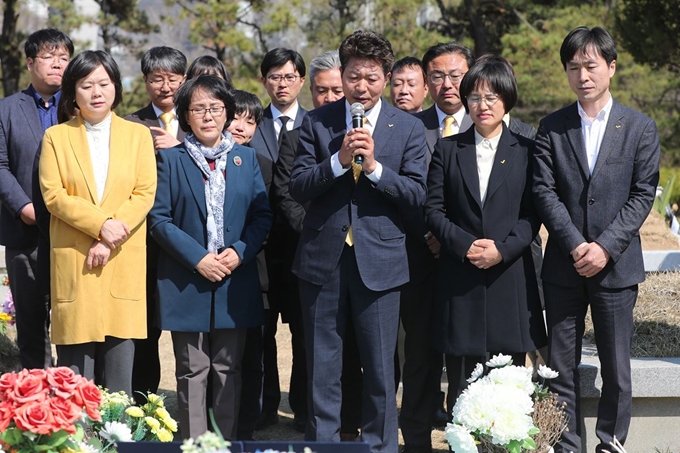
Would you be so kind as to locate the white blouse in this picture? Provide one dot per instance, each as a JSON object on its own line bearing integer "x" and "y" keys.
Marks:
{"x": 98, "y": 139}
{"x": 486, "y": 153}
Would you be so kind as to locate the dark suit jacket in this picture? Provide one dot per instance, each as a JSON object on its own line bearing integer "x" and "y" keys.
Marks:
{"x": 264, "y": 140}
{"x": 607, "y": 207}
{"x": 20, "y": 139}
{"x": 372, "y": 210}
{"x": 289, "y": 212}
{"x": 496, "y": 309}
{"x": 147, "y": 116}
{"x": 177, "y": 222}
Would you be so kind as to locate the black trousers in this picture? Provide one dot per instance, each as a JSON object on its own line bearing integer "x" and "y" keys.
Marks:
{"x": 31, "y": 305}
{"x": 612, "y": 314}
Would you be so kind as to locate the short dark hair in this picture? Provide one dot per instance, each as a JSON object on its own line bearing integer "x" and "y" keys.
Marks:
{"x": 497, "y": 73}
{"x": 48, "y": 39}
{"x": 248, "y": 103}
{"x": 279, "y": 57}
{"x": 367, "y": 45}
{"x": 444, "y": 48}
{"x": 80, "y": 67}
{"x": 408, "y": 62}
{"x": 213, "y": 85}
{"x": 582, "y": 38}
{"x": 164, "y": 58}
{"x": 207, "y": 64}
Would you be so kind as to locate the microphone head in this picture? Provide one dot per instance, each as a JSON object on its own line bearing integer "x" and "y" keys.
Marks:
{"x": 357, "y": 109}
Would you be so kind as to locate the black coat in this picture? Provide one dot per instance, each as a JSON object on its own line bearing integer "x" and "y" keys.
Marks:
{"x": 496, "y": 309}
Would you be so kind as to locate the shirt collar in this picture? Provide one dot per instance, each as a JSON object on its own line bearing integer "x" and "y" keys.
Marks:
{"x": 459, "y": 115}
{"x": 493, "y": 140}
{"x": 602, "y": 115}
{"x": 53, "y": 101}
{"x": 292, "y": 112}
{"x": 371, "y": 115}
{"x": 159, "y": 112}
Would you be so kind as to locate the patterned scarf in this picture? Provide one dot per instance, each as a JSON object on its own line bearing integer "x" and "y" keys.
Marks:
{"x": 215, "y": 184}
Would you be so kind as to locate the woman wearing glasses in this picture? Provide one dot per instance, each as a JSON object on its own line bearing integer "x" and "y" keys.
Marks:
{"x": 210, "y": 219}
{"x": 480, "y": 209}
{"x": 98, "y": 180}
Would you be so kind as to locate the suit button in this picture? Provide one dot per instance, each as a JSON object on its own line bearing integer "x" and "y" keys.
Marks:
{"x": 345, "y": 228}
{"x": 228, "y": 228}
{"x": 591, "y": 202}
{"x": 354, "y": 201}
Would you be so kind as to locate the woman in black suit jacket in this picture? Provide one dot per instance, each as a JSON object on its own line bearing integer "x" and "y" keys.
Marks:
{"x": 479, "y": 208}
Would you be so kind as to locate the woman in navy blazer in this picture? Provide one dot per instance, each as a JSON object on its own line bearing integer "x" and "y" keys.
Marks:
{"x": 210, "y": 218}
{"x": 479, "y": 207}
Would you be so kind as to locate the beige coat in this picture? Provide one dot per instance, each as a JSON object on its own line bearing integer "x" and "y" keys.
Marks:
{"x": 109, "y": 301}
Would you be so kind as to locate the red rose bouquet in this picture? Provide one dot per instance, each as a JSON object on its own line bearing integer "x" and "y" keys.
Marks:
{"x": 39, "y": 410}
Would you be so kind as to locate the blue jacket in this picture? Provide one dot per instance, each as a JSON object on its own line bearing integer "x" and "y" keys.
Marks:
{"x": 177, "y": 222}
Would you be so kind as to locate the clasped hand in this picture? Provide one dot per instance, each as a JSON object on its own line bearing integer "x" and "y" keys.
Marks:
{"x": 589, "y": 258}
{"x": 98, "y": 255}
{"x": 113, "y": 233}
{"x": 484, "y": 254}
{"x": 358, "y": 142}
{"x": 216, "y": 267}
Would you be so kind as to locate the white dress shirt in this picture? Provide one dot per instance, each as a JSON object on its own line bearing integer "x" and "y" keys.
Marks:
{"x": 486, "y": 153}
{"x": 98, "y": 139}
{"x": 593, "y": 131}
{"x": 371, "y": 120}
{"x": 291, "y": 113}
{"x": 458, "y": 116}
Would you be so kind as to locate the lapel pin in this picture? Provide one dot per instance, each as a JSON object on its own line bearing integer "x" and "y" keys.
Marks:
{"x": 237, "y": 161}
{"x": 618, "y": 126}
{"x": 503, "y": 161}
{"x": 390, "y": 125}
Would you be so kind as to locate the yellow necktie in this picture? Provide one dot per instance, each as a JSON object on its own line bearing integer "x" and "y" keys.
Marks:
{"x": 356, "y": 171}
{"x": 449, "y": 122}
{"x": 167, "y": 118}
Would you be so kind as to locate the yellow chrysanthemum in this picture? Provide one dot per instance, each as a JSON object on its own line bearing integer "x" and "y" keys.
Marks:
{"x": 167, "y": 420}
{"x": 134, "y": 411}
{"x": 164, "y": 435}
{"x": 155, "y": 399}
{"x": 4, "y": 317}
{"x": 152, "y": 422}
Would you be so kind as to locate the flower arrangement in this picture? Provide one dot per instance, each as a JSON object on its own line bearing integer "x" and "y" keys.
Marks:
{"x": 7, "y": 312}
{"x": 506, "y": 411}
{"x": 39, "y": 410}
{"x": 122, "y": 421}
{"x": 207, "y": 442}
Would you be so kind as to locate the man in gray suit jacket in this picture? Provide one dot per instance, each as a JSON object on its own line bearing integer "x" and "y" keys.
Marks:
{"x": 595, "y": 174}
{"x": 24, "y": 117}
{"x": 351, "y": 258}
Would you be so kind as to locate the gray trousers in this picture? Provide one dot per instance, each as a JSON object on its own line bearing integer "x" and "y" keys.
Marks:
{"x": 198, "y": 354}
{"x": 109, "y": 362}
{"x": 32, "y": 308}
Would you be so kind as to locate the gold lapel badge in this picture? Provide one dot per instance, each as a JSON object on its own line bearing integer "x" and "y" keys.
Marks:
{"x": 390, "y": 125}
{"x": 503, "y": 161}
{"x": 618, "y": 126}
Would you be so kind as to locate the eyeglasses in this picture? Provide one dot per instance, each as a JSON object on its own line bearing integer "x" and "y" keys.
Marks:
{"x": 489, "y": 99}
{"x": 438, "y": 78}
{"x": 289, "y": 78}
{"x": 158, "y": 83}
{"x": 200, "y": 113}
{"x": 49, "y": 58}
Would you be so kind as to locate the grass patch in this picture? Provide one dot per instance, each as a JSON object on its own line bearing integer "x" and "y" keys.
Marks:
{"x": 656, "y": 315}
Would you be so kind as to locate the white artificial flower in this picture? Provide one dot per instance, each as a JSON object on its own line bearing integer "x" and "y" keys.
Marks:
{"x": 116, "y": 432}
{"x": 499, "y": 360}
{"x": 513, "y": 376}
{"x": 459, "y": 439}
{"x": 476, "y": 373}
{"x": 547, "y": 372}
{"x": 474, "y": 408}
{"x": 86, "y": 448}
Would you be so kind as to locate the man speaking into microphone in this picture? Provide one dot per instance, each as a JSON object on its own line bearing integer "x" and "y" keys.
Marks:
{"x": 351, "y": 258}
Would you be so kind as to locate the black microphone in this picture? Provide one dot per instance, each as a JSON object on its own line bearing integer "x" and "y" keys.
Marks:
{"x": 357, "y": 111}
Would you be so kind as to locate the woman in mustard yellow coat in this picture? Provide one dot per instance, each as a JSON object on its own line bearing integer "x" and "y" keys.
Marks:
{"x": 98, "y": 179}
